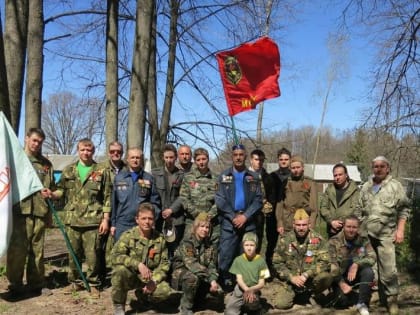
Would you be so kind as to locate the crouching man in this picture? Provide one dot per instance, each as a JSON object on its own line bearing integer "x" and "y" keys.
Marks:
{"x": 301, "y": 261}
{"x": 140, "y": 261}
{"x": 352, "y": 257}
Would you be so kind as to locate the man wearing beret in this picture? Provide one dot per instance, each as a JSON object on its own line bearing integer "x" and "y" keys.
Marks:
{"x": 238, "y": 199}
{"x": 301, "y": 261}
{"x": 385, "y": 209}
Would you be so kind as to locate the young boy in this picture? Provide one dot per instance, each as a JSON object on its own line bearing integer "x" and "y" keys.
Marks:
{"x": 251, "y": 271}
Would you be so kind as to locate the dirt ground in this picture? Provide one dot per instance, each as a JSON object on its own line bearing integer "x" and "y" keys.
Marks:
{"x": 82, "y": 303}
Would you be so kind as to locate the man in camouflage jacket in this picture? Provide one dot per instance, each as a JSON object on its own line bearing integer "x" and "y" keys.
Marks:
{"x": 301, "y": 261}
{"x": 197, "y": 193}
{"x": 30, "y": 218}
{"x": 352, "y": 258}
{"x": 86, "y": 189}
{"x": 385, "y": 209}
{"x": 140, "y": 261}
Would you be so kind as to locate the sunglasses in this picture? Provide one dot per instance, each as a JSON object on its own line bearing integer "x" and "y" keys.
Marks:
{"x": 115, "y": 151}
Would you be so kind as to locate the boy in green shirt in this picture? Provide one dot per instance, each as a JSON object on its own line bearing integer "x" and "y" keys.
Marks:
{"x": 251, "y": 270}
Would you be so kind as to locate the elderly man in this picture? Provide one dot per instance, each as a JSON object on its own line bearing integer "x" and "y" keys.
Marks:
{"x": 302, "y": 264}
{"x": 385, "y": 209}
{"x": 132, "y": 187}
{"x": 86, "y": 187}
{"x": 238, "y": 199}
{"x": 300, "y": 192}
{"x": 184, "y": 158}
{"x": 352, "y": 258}
{"x": 30, "y": 218}
{"x": 140, "y": 261}
{"x": 339, "y": 200}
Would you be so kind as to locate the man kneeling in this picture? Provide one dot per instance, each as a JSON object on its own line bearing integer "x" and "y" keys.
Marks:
{"x": 140, "y": 261}
{"x": 352, "y": 258}
{"x": 301, "y": 261}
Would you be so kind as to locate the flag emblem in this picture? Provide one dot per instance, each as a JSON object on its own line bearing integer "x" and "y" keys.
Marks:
{"x": 232, "y": 70}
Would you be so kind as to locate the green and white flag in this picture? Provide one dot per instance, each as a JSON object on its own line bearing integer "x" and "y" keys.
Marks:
{"x": 18, "y": 179}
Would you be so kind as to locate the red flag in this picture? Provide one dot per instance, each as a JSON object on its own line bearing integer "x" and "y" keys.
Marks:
{"x": 250, "y": 74}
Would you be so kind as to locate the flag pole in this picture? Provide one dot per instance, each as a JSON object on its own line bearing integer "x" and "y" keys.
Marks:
{"x": 68, "y": 244}
{"x": 235, "y": 136}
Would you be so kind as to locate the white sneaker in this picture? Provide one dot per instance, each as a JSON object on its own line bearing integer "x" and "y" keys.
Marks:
{"x": 362, "y": 308}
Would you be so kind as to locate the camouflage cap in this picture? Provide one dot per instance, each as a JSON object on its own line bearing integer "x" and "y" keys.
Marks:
{"x": 250, "y": 236}
{"x": 301, "y": 214}
{"x": 203, "y": 216}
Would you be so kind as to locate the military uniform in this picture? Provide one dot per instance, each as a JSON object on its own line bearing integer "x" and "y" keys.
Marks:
{"x": 106, "y": 242}
{"x": 381, "y": 208}
{"x": 344, "y": 253}
{"x": 86, "y": 203}
{"x": 230, "y": 237}
{"x": 332, "y": 210}
{"x": 30, "y": 218}
{"x": 299, "y": 193}
{"x": 194, "y": 267}
{"x": 127, "y": 195}
{"x": 197, "y": 195}
{"x": 131, "y": 250}
{"x": 308, "y": 257}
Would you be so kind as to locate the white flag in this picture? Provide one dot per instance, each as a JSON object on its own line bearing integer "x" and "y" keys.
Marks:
{"x": 18, "y": 179}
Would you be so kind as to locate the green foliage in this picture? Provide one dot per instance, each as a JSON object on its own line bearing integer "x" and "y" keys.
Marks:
{"x": 2, "y": 270}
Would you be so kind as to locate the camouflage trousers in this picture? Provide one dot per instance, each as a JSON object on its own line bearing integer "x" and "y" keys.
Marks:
{"x": 26, "y": 243}
{"x": 123, "y": 279}
{"x": 288, "y": 294}
{"x": 85, "y": 243}
{"x": 387, "y": 266}
{"x": 190, "y": 284}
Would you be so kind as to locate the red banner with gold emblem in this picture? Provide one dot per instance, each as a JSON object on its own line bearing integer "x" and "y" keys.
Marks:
{"x": 250, "y": 74}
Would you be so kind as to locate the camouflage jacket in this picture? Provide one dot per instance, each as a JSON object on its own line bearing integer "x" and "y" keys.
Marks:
{"x": 381, "y": 210}
{"x": 132, "y": 249}
{"x": 292, "y": 258}
{"x": 199, "y": 257}
{"x": 197, "y": 194}
{"x": 329, "y": 208}
{"x": 343, "y": 254}
{"x": 35, "y": 204}
{"x": 299, "y": 193}
{"x": 111, "y": 170}
{"x": 85, "y": 201}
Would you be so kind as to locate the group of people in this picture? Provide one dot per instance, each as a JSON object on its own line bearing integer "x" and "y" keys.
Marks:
{"x": 183, "y": 228}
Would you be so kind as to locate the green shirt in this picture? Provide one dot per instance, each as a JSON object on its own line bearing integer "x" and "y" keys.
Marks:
{"x": 83, "y": 171}
{"x": 250, "y": 270}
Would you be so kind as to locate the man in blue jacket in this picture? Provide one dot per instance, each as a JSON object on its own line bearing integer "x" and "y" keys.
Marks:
{"x": 238, "y": 199}
{"x": 131, "y": 188}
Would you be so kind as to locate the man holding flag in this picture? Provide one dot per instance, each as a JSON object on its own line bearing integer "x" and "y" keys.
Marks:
{"x": 30, "y": 218}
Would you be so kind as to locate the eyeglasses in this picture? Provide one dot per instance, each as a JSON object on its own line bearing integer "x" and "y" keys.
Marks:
{"x": 115, "y": 151}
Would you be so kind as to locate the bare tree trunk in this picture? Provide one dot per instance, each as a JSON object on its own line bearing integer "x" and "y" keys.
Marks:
{"x": 139, "y": 75}
{"x": 16, "y": 26}
{"x": 155, "y": 141}
{"x": 4, "y": 93}
{"x": 111, "y": 116}
{"x": 35, "y": 65}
